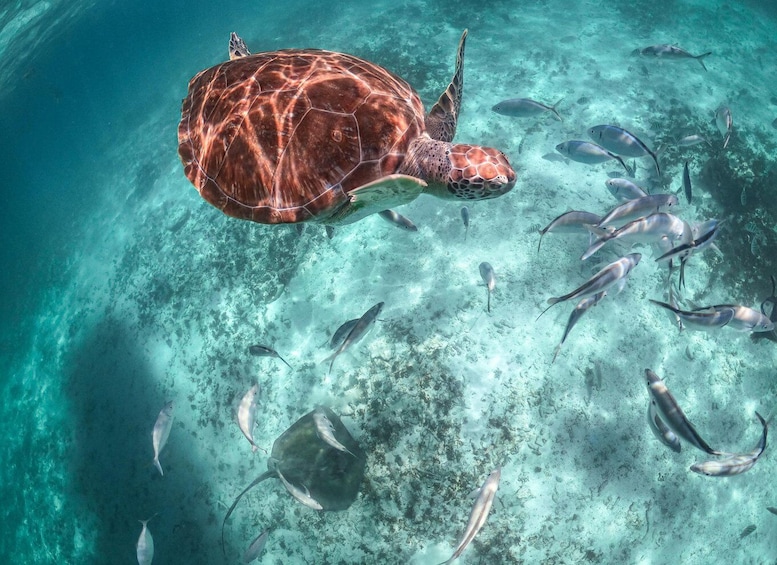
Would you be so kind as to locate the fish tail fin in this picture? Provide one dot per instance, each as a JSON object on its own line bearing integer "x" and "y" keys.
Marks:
{"x": 625, "y": 166}
{"x": 539, "y": 243}
{"x": 655, "y": 160}
{"x": 158, "y": 466}
{"x": 555, "y": 112}
{"x": 700, "y": 58}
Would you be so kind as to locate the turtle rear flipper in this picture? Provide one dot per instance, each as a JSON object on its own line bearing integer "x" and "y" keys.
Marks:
{"x": 442, "y": 118}
{"x": 376, "y": 196}
{"x": 237, "y": 47}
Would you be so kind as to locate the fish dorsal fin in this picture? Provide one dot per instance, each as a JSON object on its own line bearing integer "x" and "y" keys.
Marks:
{"x": 442, "y": 118}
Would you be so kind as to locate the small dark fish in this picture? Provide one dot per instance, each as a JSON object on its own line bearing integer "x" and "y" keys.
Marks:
{"x": 465, "y": 219}
{"x": 330, "y": 231}
{"x": 300, "y": 228}
{"x": 398, "y": 220}
{"x": 774, "y": 123}
{"x": 263, "y": 351}
{"x": 687, "y": 182}
{"x": 341, "y": 333}
{"x": 747, "y": 531}
{"x": 665, "y": 51}
{"x": 772, "y": 509}
{"x": 358, "y": 331}
{"x": 487, "y": 273}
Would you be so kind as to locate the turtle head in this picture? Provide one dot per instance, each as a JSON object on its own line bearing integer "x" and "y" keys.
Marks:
{"x": 459, "y": 171}
{"x": 478, "y": 173}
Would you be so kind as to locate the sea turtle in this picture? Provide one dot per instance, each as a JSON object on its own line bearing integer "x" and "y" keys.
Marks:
{"x": 305, "y": 135}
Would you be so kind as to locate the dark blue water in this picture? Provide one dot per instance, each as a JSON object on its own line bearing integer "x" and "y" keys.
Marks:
{"x": 121, "y": 289}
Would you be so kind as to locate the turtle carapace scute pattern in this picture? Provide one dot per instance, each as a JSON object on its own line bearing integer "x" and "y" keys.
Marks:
{"x": 306, "y": 135}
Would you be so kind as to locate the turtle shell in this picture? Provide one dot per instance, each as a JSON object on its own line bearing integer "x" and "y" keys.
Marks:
{"x": 282, "y": 137}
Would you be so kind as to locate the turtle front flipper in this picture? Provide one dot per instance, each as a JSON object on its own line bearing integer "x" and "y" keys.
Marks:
{"x": 237, "y": 47}
{"x": 376, "y": 196}
{"x": 441, "y": 120}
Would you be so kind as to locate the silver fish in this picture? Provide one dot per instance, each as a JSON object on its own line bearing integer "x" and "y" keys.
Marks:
{"x": 256, "y": 547}
{"x": 398, "y": 220}
{"x": 639, "y": 208}
{"x": 725, "y": 123}
{"x": 691, "y": 140}
{"x": 264, "y": 351}
{"x": 604, "y": 279}
{"x": 145, "y": 546}
{"x": 465, "y": 220}
{"x": 661, "y": 430}
{"x": 665, "y": 51}
{"x": 624, "y": 189}
{"x": 747, "y": 531}
{"x": 671, "y": 413}
{"x": 652, "y": 229}
{"x": 326, "y": 431}
{"x": 588, "y": 153}
{"x": 734, "y": 463}
{"x": 573, "y": 221}
{"x": 358, "y": 331}
{"x": 621, "y": 142}
{"x": 700, "y": 320}
{"x": 479, "y": 513}
{"x": 525, "y": 108}
{"x": 488, "y": 276}
{"x": 745, "y": 319}
{"x": 687, "y": 183}
{"x": 582, "y": 307}
{"x": 246, "y": 415}
{"x": 162, "y": 426}
{"x": 341, "y": 333}
{"x": 303, "y": 496}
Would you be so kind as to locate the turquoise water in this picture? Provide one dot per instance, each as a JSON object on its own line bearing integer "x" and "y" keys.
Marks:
{"x": 122, "y": 290}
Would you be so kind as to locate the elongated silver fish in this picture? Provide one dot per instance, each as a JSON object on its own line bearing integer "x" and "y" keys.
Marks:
{"x": 303, "y": 496}
{"x": 651, "y": 229}
{"x": 488, "y": 276}
{"x": 398, "y": 220}
{"x": 588, "y": 153}
{"x": 664, "y": 51}
{"x": 624, "y": 189}
{"x": 256, "y": 547}
{"x": 525, "y": 108}
{"x": 700, "y": 320}
{"x": 479, "y": 513}
{"x": 264, "y": 351}
{"x": 582, "y": 307}
{"x": 622, "y": 142}
{"x": 639, "y": 208}
{"x": 341, "y": 333}
{"x": 661, "y": 430}
{"x": 734, "y": 463}
{"x": 162, "y": 426}
{"x": 145, "y": 547}
{"x": 573, "y": 221}
{"x": 358, "y": 331}
{"x": 246, "y": 415}
{"x": 465, "y": 220}
{"x": 672, "y": 415}
{"x": 691, "y": 140}
{"x": 326, "y": 431}
{"x": 604, "y": 279}
{"x": 745, "y": 319}
{"x": 725, "y": 123}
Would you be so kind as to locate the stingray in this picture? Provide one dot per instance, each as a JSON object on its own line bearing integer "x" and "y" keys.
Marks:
{"x": 313, "y": 461}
